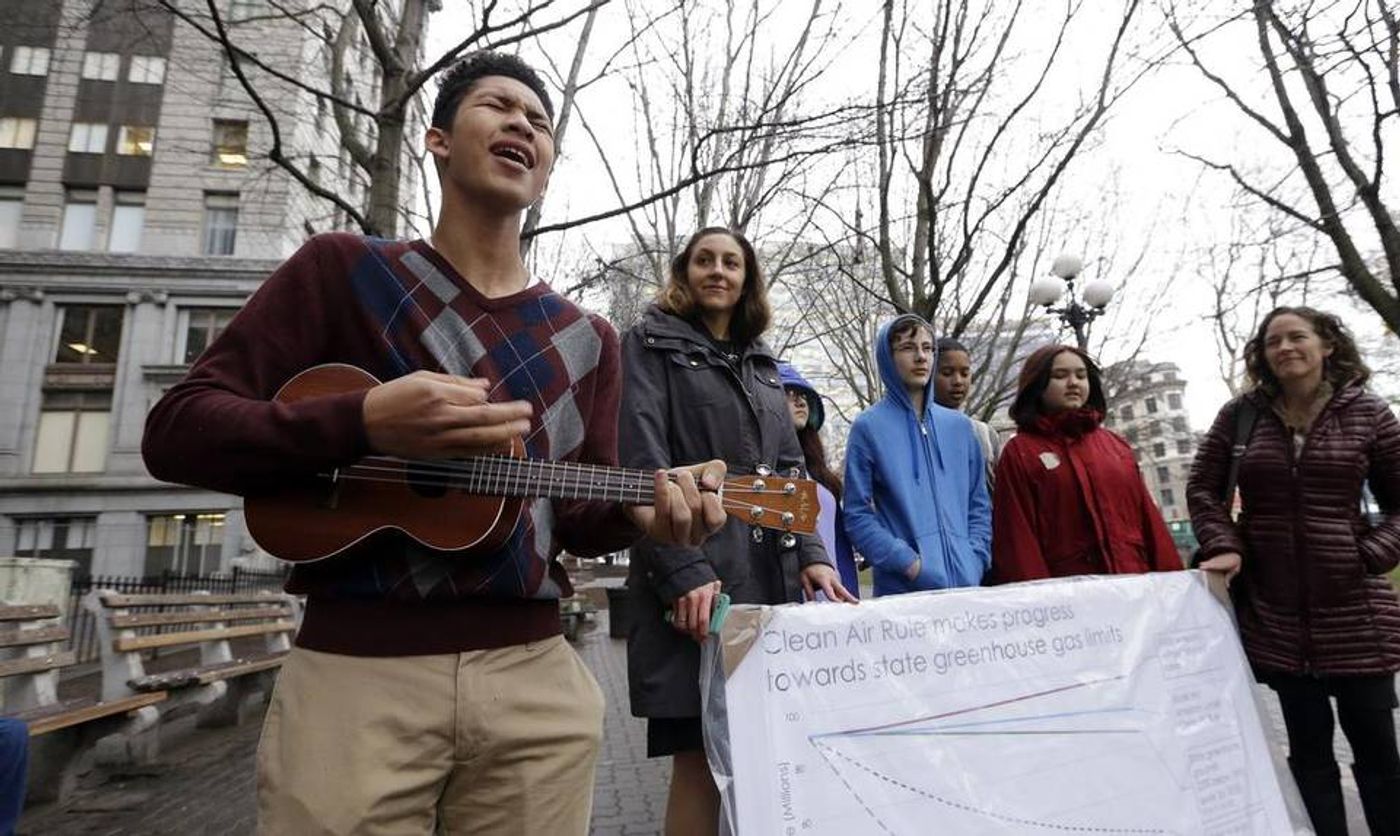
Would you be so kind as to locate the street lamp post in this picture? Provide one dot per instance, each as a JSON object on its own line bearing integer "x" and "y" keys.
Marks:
{"x": 1077, "y": 315}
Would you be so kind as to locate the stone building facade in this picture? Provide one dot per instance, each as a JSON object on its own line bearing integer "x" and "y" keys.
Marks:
{"x": 1146, "y": 405}
{"x": 137, "y": 214}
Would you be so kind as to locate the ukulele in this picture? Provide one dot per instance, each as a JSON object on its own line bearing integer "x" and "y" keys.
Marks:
{"x": 462, "y": 505}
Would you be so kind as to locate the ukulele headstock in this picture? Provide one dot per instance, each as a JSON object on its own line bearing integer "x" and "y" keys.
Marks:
{"x": 769, "y": 500}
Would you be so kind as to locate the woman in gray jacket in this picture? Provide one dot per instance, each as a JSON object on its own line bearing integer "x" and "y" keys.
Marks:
{"x": 699, "y": 383}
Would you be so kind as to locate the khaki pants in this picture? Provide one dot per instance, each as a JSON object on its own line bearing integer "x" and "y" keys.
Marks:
{"x": 488, "y": 742}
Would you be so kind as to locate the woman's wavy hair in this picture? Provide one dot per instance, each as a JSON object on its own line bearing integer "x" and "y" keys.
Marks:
{"x": 1343, "y": 367}
{"x": 752, "y": 315}
{"x": 814, "y": 455}
{"x": 1035, "y": 377}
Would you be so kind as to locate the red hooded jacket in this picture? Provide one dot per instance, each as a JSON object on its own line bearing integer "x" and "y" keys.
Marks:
{"x": 1069, "y": 501}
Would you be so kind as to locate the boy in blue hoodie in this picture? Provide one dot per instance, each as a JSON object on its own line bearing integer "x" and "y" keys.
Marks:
{"x": 916, "y": 503}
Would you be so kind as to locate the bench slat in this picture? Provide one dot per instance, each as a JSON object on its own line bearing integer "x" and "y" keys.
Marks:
{"x": 31, "y": 664}
{"x": 114, "y": 599}
{"x": 125, "y": 645}
{"x": 62, "y": 715}
{"x": 206, "y": 674}
{"x": 13, "y": 638}
{"x": 28, "y": 612}
{"x": 151, "y": 619}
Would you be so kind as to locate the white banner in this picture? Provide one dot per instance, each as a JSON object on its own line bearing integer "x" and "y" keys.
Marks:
{"x": 1113, "y": 705}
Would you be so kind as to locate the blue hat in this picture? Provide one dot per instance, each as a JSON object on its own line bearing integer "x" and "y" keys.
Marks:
{"x": 793, "y": 379}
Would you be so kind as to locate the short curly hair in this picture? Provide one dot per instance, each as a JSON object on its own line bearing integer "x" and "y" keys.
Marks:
{"x": 458, "y": 79}
{"x": 1342, "y": 367}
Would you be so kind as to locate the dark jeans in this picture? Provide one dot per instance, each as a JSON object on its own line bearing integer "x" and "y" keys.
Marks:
{"x": 1364, "y": 706}
{"x": 14, "y": 758}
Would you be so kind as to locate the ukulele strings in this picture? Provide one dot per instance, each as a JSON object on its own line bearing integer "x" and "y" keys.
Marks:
{"x": 618, "y": 481}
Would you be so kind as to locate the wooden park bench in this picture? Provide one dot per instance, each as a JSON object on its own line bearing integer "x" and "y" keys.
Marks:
{"x": 132, "y": 625}
{"x": 32, "y": 640}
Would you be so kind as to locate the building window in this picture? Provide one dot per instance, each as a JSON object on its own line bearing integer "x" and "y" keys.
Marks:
{"x": 101, "y": 66}
{"x": 1159, "y": 450}
{"x": 242, "y": 9}
{"x": 1173, "y": 400}
{"x": 230, "y": 143}
{"x": 1150, "y": 405}
{"x": 1183, "y": 446}
{"x": 128, "y": 217}
{"x": 88, "y": 138}
{"x": 89, "y": 334}
{"x": 1179, "y": 424}
{"x": 79, "y": 221}
{"x": 187, "y": 544}
{"x": 17, "y": 132}
{"x": 1154, "y": 429}
{"x": 30, "y": 60}
{"x": 1168, "y": 498}
{"x": 1131, "y": 435}
{"x": 203, "y": 327}
{"x": 136, "y": 140}
{"x": 220, "y": 223}
{"x": 1164, "y": 473}
{"x": 1169, "y": 376}
{"x": 1126, "y": 413}
{"x": 11, "y": 210}
{"x": 72, "y": 436}
{"x": 57, "y": 538}
{"x": 146, "y": 69}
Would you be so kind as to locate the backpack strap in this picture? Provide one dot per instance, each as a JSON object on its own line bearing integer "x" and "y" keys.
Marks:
{"x": 1246, "y": 414}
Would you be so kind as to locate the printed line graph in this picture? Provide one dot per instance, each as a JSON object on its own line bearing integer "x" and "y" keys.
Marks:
{"x": 861, "y": 769}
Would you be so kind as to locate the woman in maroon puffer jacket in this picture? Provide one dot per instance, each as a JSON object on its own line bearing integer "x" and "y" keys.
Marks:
{"x": 1317, "y": 615}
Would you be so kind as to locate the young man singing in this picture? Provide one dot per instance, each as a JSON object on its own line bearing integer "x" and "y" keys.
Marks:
{"x": 430, "y": 690}
{"x": 916, "y": 503}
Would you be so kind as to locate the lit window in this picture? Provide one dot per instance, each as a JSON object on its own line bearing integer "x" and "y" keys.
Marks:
{"x": 79, "y": 221}
{"x": 73, "y": 432}
{"x": 128, "y": 216}
{"x": 220, "y": 223}
{"x": 89, "y": 334}
{"x": 88, "y": 138}
{"x": 146, "y": 69}
{"x": 189, "y": 543}
{"x": 30, "y": 60}
{"x": 101, "y": 66}
{"x": 16, "y": 132}
{"x": 136, "y": 140}
{"x": 204, "y": 326}
{"x": 230, "y": 143}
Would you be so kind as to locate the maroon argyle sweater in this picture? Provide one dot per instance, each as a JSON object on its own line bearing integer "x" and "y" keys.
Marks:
{"x": 392, "y": 307}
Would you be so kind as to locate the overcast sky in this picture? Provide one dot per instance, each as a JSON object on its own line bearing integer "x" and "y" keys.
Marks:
{"x": 1168, "y": 206}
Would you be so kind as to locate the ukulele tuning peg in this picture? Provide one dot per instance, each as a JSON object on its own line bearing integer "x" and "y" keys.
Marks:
{"x": 756, "y": 534}
{"x": 794, "y": 473}
{"x": 789, "y": 540}
{"x": 763, "y": 470}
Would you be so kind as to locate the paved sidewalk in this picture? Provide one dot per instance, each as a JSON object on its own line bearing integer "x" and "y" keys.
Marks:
{"x": 205, "y": 784}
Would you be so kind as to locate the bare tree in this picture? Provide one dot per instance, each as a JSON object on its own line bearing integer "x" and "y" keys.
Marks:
{"x": 371, "y": 72}
{"x": 1333, "y": 89}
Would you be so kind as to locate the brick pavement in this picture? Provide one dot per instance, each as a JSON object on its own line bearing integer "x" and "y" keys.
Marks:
{"x": 205, "y": 784}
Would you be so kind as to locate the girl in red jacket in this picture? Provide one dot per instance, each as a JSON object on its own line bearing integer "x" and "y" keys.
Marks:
{"x": 1068, "y": 498}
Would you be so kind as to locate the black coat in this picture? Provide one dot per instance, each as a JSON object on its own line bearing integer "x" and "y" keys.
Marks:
{"x": 683, "y": 403}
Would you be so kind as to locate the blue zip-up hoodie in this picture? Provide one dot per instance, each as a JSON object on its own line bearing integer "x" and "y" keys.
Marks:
{"x": 916, "y": 488}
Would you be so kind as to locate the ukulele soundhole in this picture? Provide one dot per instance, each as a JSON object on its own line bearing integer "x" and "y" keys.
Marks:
{"x": 429, "y": 480}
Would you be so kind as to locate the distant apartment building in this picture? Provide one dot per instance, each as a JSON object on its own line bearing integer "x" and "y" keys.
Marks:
{"x": 137, "y": 214}
{"x": 1146, "y": 405}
